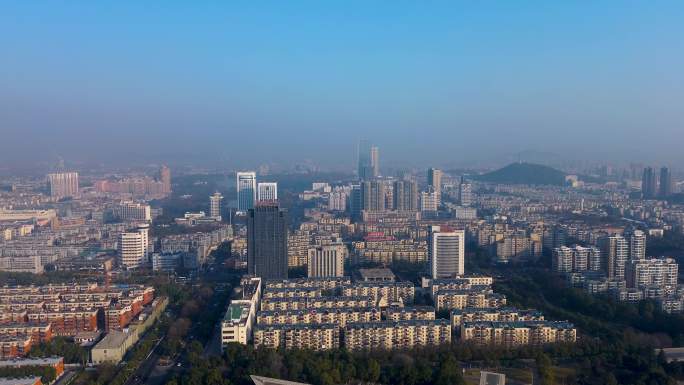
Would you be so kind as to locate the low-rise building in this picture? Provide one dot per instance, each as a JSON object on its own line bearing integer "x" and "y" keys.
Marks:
{"x": 298, "y": 336}
{"x": 388, "y": 335}
{"x": 518, "y": 332}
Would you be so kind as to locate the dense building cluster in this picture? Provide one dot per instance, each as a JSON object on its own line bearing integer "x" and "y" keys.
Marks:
{"x": 377, "y": 312}
{"x": 33, "y": 314}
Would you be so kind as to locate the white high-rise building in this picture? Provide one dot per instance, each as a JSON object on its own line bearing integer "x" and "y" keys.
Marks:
{"x": 446, "y": 249}
{"x": 465, "y": 193}
{"x": 576, "y": 259}
{"x": 615, "y": 251}
{"x": 337, "y": 200}
{"x": 63, "y": 184}
{"x": 375, "y": 160}
{"x": 637, "y": 245}
{"x": 267, "y": 191}
{"x": 132, "y": 249}
{"x": 654, "y": 272}
{"x": 326, "y": 260}
{"x": 246, "y": 190}
{"x": 215, "y": 205}
{"x": 133, "y": 211}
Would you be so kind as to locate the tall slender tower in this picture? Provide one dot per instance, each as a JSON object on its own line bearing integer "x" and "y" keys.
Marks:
{"x": 246, "y": 190}
{"x": 215, "y": 205}
{"x": 434, "y": 179}
{"x": 648, "y": 183}
{"x": 465, "y": 193}
{"x": 369, "y": 161}
{"x": 637, "y": 245}
{"x": 375, "y": 161}
{"x": 267, "y": 241}
{"x": 615, "y": 250}
{"x": 665, "y": 182}
{"x": 165, "y": 178}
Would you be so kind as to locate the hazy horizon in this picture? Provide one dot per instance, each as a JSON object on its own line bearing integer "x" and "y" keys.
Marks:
{"x": 243, "y": 84}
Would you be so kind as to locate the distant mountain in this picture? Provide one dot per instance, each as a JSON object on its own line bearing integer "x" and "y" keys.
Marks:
{"x": 524, "y": 173}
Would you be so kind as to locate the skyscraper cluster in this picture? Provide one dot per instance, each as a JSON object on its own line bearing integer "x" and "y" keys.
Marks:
{"x": 653, "y": 187}
{"x": 249, "y": 191}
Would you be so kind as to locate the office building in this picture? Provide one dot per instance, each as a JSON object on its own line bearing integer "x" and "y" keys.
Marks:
{"x": 615, "y": 251}
{"x": 267, "y": 191}
{"x": 326, "y": 261}
{"x": 648, "y": 183}
{"x": 446, "y": 251}
{"x": 665, "y": 189}
{"x": 215, "y": 205}
{"x": 246, "y": 190}
{"x": 267, "y": 241}
{"x": 133, "y": 248}
{"x": 133, "y": 211}
{"x": 405, "y": 195}
{"x": 63, "y": 185}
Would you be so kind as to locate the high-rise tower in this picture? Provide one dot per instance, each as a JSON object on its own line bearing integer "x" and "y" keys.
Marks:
{"x": 446, "y": 249}
{"x": 267, "y": 241}
{"x": 648, "y": 183}
{"x": 215, "y": 205}
{"x": 665, "y": 182}
{"x": 246, "y": 190}
{"x": 165, "y": 178}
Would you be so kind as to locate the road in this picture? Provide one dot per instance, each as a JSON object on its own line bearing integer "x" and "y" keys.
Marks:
{"x": 143, "y": 371}
{"x": 66, "y": 378}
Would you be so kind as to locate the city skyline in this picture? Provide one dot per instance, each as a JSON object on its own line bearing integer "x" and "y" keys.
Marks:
{"x": 457, "y": 82}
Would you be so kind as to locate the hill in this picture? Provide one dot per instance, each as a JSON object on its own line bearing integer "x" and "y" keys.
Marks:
{"x": 524, "y": 173}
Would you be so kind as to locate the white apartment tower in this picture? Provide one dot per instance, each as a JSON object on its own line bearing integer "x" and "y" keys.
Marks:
{"x": 326, "y": 261}
{"x": 637, "y": 245}
{"x": 446, "y": 250}
{"x": 215, "y": 205}
{"x": 267, "y": 191}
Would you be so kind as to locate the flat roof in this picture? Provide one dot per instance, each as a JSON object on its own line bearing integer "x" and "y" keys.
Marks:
{"x": 377, "y": 273}
{"x": 113, "y": 340}
{"x": 31, "y": 361}
{"x": 19, "y": 381}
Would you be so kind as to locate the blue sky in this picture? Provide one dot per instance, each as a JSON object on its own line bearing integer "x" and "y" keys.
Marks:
{"x": 253, "y": 82}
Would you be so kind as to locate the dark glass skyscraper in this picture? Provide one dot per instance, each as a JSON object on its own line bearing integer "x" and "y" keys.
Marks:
{"x": 267, "y": 241}
{"x": 665, "y": 182}
{"x": 648, "y": 183}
